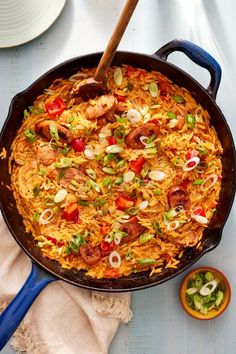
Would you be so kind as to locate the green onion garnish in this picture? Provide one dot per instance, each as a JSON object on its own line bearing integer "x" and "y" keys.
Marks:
{"x": 178, "y": 99}
{"x": 190, "y": 120}
{"x": 54, "y": 131}
{"x": 30, "y": 135}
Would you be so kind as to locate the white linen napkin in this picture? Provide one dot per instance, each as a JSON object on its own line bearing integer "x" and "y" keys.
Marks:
{"x": 64, "y": 319}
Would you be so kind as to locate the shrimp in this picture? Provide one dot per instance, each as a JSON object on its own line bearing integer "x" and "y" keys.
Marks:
{"x": 188, "y": 239}
{"x": 71, "y": 174}
{"x": 133, "y": 138}
{"x": 43, "y": 128}
{"x": 45, "y": 154}
{"x": 90, "y": 254}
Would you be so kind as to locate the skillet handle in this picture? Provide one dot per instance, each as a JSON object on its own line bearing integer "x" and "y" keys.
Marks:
{"x": 199, "y": 56}
{"x": 11, "y": 317}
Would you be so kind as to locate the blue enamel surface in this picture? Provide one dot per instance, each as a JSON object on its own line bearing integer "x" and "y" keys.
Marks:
{"x": 17, "y": 309}
{"x": 198, "y": 56}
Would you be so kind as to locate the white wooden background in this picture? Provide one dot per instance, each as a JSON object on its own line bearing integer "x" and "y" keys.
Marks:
{"x": 159, "y": 325}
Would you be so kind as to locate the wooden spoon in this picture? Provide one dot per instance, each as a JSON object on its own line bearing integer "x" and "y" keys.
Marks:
{"x": 94, "y": 86}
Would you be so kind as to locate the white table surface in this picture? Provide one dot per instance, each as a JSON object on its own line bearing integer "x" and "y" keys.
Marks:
{"x": 159, "y": 325}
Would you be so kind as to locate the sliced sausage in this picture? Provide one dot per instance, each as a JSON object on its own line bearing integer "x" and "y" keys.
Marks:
{"x": 103, "y": 105}
{"x": 178, "y": 195}
{"x": 133, "y": 138}
{"x": 90, "y": 254}
{"x": 43, "y": 128}
{"x": 133, "y": 229}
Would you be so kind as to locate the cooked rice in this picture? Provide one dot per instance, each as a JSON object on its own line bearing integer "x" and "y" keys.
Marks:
{"x": 35, "y": 187}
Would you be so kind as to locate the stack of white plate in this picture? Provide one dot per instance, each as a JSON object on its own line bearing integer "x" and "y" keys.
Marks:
{"x": 23, "y": 20}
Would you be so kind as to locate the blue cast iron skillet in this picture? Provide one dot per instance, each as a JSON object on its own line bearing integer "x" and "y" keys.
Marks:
{"x": 45, "y": 270}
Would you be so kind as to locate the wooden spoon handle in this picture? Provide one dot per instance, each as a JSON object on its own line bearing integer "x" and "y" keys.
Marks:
{"x": 115, "y": 40}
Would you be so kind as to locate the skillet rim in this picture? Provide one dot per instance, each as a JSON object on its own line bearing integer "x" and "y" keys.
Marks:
{"x": 109, "y": 284}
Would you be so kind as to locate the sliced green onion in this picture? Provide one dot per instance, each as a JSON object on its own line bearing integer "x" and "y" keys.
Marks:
{"x": 149, "y": 140}
{"x": 145, "y": 237}
{"x": 70, "y": 119}
{"x": 119, "y": 134}
{"x": 83, "y": 202}
{"x": 198, "y": 181}
{"x": 153, "y": 89}
{"x": 118, "y": 76}
{"x": 114, "y": 149}
{"x": 36, "y": 110}
{"x": 120, "y": 119}
{"x": 26, "y": 113}
{"x": 65, "y": 150}
{"x": 202, "y": 150}
{"x": 171, "y": 115}
{"x": 42, "y": 172}
{"x": 128, "y": 255}
{"x": 53, "y": 131}
{"x": 109, "y": 170}
{"x": 157, "y": 227}
{"x": 156, "y": 192}
{"x": 30, "y": 135}
{"x": 178, "y": 99}
{"x": 91, "y": 173}
{"x": 191, "y": 291}
{"x": 106, "y": 181}
{"x": 99, "y": 202}
{"x": 220, "y": 296}
{"x": 151, "y": 151}
{"x": 94, "y": 186}
{"x": 132, "y": 211}
{"x": 108, "y": 158}
{"x": 120, "y": 164}
{"x": 35, "y": 216}
{"x": 62, "y": 173}
{"x": 64, "y": 162}
{"x": 60, "y": 196}
{"x": 177, "y": 162}
{"x": 209, "y": 276}
{"x": 146, "y": 261}
{"x": 190, "y": 120}
{"x": 144, "y": 172}
{"x": 118, "y": 180}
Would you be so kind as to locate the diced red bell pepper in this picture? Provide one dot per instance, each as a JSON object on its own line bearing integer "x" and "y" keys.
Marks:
{"x": 78, "y": 144}
{"x": 56, "y": 106}
{"x": 105, "y": 229}
{"x": 111, "y": 140}
{"x": 185, "y": 183}
{"x": 107, "y": 246}
{"x": 71, "y": 213}
{"x": 123, "y": 202}
{"x": 60, "y": 244}
{"x": 137, "y": 165}
{"x": 120, "y": 98}
{"x": 111, "y": 273}
{"x": 52, "y": 239}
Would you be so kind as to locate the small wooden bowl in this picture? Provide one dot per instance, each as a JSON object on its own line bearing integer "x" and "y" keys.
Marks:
{"x": 212, "y": 313}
